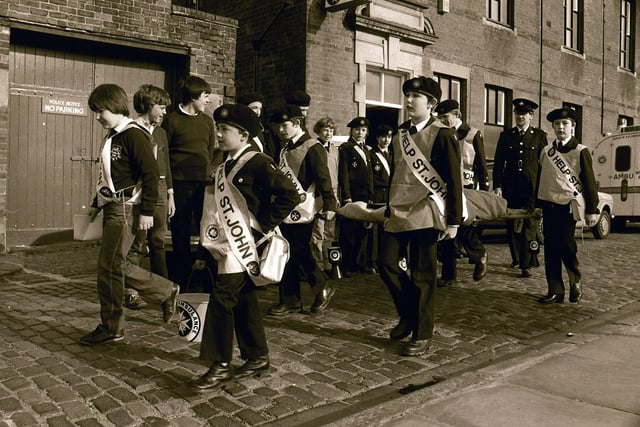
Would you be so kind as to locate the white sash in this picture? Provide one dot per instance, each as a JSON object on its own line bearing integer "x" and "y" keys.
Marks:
{"x": 562, "y": 168}
{"x": 234, "y": 217}
{"x": 384, "y": 162}
{"x": 362, "y": 153}
{"x": 306, "y": 210}
{"x": 105, "y": 190}
{"x": 258, "y": 143}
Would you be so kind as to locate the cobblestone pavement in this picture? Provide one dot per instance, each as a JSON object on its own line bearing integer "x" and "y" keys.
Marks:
{"x": 325, "y": 366}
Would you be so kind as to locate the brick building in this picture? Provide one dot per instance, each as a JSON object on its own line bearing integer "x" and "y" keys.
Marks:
{"x": 52, "y": 54}
{"x": 351, "y": 58}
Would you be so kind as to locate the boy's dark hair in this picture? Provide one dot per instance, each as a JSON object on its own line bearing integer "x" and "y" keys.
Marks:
{"x": 148, "y": 96}
{"x": 325, "y": 122}
{"x": 191, "y": 88}
{"x": 109, "y": 96}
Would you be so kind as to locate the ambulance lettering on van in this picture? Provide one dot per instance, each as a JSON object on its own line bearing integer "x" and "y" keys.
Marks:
{"x": 616, "y": 165}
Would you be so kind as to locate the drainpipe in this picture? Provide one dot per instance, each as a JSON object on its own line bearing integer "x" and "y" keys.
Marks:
{"x": 602, "y": 73}
{"x": 540, "y": 61}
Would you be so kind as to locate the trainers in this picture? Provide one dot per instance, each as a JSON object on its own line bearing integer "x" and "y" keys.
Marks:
{"x": 100, "y": 336}
{"x": 134, "y": 302}
{"x": 170, "y": 305}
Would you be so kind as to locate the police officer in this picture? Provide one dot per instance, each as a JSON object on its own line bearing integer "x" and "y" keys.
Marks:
{"x": 474, "y": 175}
{"x": 355, "y": 179}
{"x": 515, "y": 174}
{"x": 266, "y": 140}
{"x": 567, "y": 190}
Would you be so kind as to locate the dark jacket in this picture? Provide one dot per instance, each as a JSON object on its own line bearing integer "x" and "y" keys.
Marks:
{"x": 355, "y": 176}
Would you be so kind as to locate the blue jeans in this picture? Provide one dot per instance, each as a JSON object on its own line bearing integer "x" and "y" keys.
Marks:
{"x": 119, "y": 226}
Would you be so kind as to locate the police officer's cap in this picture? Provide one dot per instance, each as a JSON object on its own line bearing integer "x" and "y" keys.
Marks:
{"x": 523, "y": 105}
{"x": 299, "y": 98}
{"x": 562, "y": 113}
{"x": 383, "y": 130}
{"x": 446, "y": 106}
{"x": 286, "y": 113}
{"x": 249, "y": 98}
{"x": 358, "y": 122}
{"x": 238, "y": 115}
{"x": 425, "y": 85}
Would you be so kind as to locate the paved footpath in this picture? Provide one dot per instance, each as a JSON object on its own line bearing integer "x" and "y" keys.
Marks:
{"x": 337, "y": 368}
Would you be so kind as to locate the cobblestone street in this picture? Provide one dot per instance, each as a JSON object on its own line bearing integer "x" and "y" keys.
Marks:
{"x": 324, "y": 367}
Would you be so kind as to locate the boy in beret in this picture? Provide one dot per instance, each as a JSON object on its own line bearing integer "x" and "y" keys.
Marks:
{"x": 474, "y": 175}
{"x": 515, "y": 173}
{"x": 566, "y": 192}
{"x": 266, "y": 141}
{"x": 355, "y": 179}
{"x": 269, "y": 197}
{"x": 305, "y": 161}
{"x": 418, "y": 217}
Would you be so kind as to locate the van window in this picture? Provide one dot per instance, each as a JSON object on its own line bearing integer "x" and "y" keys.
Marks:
{"x": 623, "y": 158}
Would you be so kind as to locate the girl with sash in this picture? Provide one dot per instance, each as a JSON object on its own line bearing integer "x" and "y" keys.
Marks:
{"x": 304, "y": 161}
{"x": 566, "y": 192}
{"x": 250, "y": 196}
{"x": 425, "y": 205}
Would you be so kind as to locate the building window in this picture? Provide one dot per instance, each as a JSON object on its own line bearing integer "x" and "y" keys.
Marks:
{"x": 500, "y": 11}
{"x": 627, "y": 34}
{"x": 452, "y": 88}
{"x": 384, "y": 88}
{"x": 573, "y": 24}
{"x": 497, "y": 116}
{"x": 624, "y": 121}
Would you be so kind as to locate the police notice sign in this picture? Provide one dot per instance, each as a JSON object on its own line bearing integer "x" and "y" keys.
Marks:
{"x": 63, "y": 106}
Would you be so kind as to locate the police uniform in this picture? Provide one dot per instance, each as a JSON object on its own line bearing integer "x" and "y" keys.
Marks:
{"x": 555, "y": 196}
{"x": 474, "y": 174}
{"x": 516, "y": 170}
{"x": 411, "y": 229}
{"x": 233, "y": 304}
{"x": 355, "y": 178}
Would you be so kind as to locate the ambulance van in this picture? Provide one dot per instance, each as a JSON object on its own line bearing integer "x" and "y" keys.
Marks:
{"x": 616, "y": 164}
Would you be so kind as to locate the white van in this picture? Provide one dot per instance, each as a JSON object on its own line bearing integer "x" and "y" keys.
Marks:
{"x": 616, "y": 164}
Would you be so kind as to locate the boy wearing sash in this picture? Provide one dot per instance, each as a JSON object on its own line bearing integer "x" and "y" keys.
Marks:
{"x": 425, "y": 204}
{"x": 304, "y": 161}
{"x": 566, "y": 193}
{"x": 249, "y": 197}
{"x": 126, "y": 192}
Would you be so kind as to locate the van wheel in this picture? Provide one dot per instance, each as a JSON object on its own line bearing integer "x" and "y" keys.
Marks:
{"x": 603, "y": 227}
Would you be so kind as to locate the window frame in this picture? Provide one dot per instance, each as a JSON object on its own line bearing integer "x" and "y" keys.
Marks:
{"x": 451, "y": 81}
{"x": 626, "y": 58}
{"x": 501, "y": 12}
{"x": 574, "y": 25}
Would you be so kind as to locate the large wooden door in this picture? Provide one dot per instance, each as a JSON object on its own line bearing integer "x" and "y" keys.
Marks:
{"x": 54, "y": 138}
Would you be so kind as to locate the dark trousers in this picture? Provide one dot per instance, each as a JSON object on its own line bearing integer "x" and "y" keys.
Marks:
{"x": 560, "y": 246}
{"x": 519, "y": 238}
{"x": 233, "y": 305}
{"x": 468, "y": 240}
{"x": 299, "y": 238}
{"x": 413, "y": 294}
{"x": 188, "y": 197}
{"x": 353, "y": 243}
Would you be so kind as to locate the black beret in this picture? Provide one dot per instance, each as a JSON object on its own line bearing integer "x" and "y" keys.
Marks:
{"x": 523, "y": 105}
{"x": 248, "y": 98}
{"x": 447, "y": 105}
{"x": 238, "y": 115}
{"x": 299, "y": 98}
{"x": 358, "y": 122}
{"x": 286, "y": 113}
{"x": 383, "y": 130}
{"x": 563, "y": 113}
{"x": 424, "y": 85}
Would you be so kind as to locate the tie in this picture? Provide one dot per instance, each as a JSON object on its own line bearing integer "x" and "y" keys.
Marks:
{"x": 521, "y": 133}
{"x": 413, "y": 130}
{"x": 111, "y": 133}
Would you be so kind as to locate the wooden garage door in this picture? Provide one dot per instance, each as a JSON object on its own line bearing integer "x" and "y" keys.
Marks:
{"x": 53, "y": 136}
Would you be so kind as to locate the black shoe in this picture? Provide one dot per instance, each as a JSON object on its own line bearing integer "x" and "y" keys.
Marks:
{"x": 284, "y": 309}
{"x": 526, "y": 272}
{"x": 551, "y": 298}
{"x": 481, "y": 268}
{"x": 401, "y": 330}
{"x": 575, "y": 293}
{"x": 323, "y": 299}
{"x": 252, "y": 368}
{"x": 101, "y": 336}
{"x": 134, "y": 302}
{"x": 170, "y": 304}
{"x": 513, "y": 264}
{"x": 216, "y": 375}
{"x": 446, "y": 283}
{"x": 415, "y": 347}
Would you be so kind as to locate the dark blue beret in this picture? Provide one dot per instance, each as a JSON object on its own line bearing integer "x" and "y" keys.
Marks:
{"x": 424, "y": 85}
{"x": 523, "y": 105}
{"x": 238, "y": 115}
{"x": 358, "y": 122}
{"x": 563, "y": 113}
{"x": 383, "y": 130}
{"x": 447, "y": 105}
{"x": 299, "y": 98}
{"x": 286, "y": 113}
